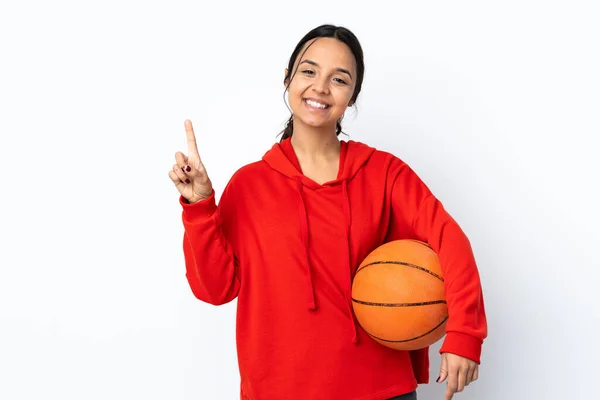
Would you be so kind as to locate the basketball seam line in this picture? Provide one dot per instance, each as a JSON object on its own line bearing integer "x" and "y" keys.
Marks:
{"x": 404, "y": 264}
{"x": 408, "y": 340}
{"x": 415, "y": 304}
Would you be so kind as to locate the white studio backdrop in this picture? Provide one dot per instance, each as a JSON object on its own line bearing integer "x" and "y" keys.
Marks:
{"x": 494, "y": 104}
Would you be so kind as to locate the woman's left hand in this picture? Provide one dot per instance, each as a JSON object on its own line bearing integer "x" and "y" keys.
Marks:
{"x": 460, "y": 372}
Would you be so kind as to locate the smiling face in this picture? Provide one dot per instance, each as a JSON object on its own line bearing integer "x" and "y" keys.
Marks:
{"x": 322, "y": 84}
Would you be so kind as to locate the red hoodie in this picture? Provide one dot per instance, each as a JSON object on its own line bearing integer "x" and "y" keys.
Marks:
{"x": 288, "y": 249}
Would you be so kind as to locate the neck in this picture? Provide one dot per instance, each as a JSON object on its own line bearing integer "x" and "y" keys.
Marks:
{"x": 315, "y": 142}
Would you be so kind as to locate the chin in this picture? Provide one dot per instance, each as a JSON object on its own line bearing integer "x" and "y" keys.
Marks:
{"x": 315, "y": 121}
{"x": 316, "y": 124}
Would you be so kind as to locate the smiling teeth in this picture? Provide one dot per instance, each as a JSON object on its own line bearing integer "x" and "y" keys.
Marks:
{"x": 315, "y": 104}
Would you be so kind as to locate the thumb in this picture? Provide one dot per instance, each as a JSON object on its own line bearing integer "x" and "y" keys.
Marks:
{"x": 443, "y": 370}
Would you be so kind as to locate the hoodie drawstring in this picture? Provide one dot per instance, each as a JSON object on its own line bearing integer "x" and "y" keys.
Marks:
{"x": 305, "y": 240}
{"x": 303, "y": 216}
{"x": 348, "y": 291}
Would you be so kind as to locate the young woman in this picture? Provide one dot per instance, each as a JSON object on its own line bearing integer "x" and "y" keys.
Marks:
{"x": 291, "y": 229}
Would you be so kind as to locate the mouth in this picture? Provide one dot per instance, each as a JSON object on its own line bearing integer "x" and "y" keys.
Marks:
{"x": 316, "y": 104}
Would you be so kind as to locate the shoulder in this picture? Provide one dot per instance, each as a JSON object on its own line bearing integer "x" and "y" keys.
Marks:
{"x": 379, "y": 158}
{"x": 386, "y": 165}
{"x": 250, "y": 170}
{"x": 248, "y": 176}
{"x": 247, "y": 171}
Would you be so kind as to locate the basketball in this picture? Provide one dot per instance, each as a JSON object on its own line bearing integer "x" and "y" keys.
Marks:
{"x": 398, "y": 295}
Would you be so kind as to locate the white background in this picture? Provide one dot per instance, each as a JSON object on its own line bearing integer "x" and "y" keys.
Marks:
{"x": 495, "y": 104}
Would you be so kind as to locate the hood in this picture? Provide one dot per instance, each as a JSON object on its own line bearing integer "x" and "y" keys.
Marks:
{"x": 353, "y": 156}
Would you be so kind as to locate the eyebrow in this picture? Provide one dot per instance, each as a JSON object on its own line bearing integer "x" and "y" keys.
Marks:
{"x": 345, "y": 71}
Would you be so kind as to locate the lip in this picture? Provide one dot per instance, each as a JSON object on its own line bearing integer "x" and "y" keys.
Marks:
{"x": 317, "y": 101}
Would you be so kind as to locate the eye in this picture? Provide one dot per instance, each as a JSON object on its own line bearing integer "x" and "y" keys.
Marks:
{"x": 340, "y": 80}
{"x": 308, "y": 72}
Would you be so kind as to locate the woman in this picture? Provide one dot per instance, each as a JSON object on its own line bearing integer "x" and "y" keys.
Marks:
{"x": 290, "y": 230}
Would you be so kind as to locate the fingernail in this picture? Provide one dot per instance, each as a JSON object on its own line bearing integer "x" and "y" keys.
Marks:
{"x": 438, "y": 379}
{"x": 187, "y": 181}
{"x": 188, "y": 168}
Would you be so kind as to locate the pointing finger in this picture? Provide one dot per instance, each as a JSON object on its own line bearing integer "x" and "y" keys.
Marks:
{"x": 191, "y": 139}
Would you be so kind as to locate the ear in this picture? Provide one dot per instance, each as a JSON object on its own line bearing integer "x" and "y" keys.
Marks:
{"x": 285, "y": 80}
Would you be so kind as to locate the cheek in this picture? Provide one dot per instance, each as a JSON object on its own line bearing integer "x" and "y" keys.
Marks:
{"x": 295, "y": 93}
{"x": 297, "y": 88}
{"x": 345, "y": 94}
{"x": 342, "y": 98}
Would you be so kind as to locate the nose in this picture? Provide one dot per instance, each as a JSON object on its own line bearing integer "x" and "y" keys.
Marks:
{"x": 321, "y": 85}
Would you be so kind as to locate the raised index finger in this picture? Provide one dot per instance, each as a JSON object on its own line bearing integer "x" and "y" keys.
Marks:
{"x": 191, "y": 139}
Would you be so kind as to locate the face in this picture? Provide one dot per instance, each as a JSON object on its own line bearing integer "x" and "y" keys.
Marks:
{"x": 323, "y": 83}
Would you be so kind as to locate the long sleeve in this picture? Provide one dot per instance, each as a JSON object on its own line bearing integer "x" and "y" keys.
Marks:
{"x": 417, "y": 212}
{"x": 210, "y": 261}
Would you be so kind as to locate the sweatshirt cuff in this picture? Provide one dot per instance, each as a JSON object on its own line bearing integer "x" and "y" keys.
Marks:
{"x": 462, "y": 345}
{"x": 199, "y": 210}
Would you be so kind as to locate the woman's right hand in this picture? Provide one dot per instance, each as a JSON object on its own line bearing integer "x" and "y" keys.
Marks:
{"x": 188, "y": 173}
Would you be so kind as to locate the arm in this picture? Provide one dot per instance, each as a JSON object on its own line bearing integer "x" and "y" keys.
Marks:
{"x": 211, "y": 265}
{"x": 417, "y": 212}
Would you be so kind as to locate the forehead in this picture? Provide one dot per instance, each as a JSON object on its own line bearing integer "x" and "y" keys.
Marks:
{"x": 329, "y": 52}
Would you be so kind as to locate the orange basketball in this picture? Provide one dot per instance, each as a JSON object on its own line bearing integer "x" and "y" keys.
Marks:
{"x": 398, "y": 295}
